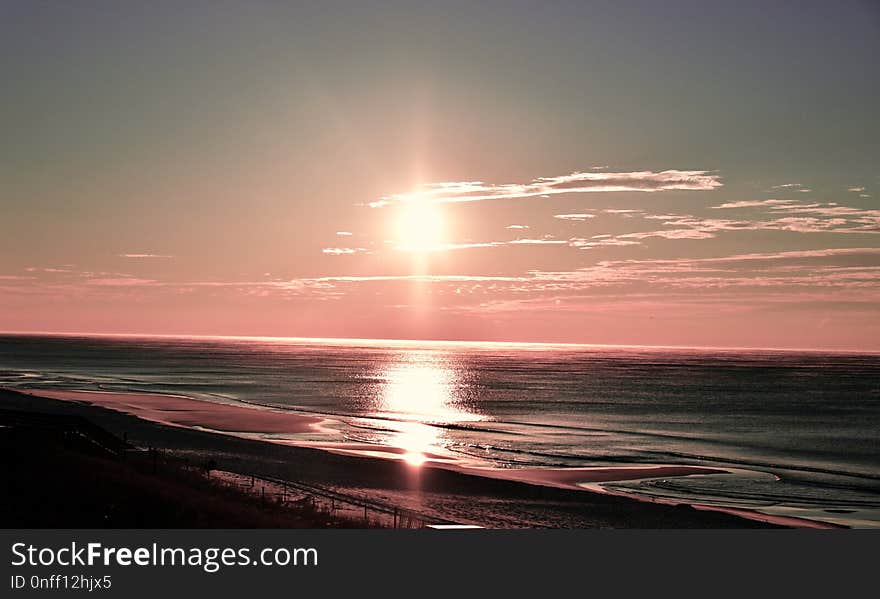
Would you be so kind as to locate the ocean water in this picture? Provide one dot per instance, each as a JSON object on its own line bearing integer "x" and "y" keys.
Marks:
{"x": 798, "y": 430}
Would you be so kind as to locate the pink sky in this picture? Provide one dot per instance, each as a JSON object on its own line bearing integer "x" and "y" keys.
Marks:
{"x": 630, "y": 175}
{"x": 600, "y": 275}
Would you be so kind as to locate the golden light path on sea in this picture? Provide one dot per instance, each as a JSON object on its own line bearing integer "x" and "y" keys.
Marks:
{"x": 419, "y": 388}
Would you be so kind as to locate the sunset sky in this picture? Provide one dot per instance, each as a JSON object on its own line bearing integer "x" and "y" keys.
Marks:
{"x": 653, "y": 173}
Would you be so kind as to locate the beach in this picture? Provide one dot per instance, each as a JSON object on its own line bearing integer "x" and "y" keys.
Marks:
{"x": 488, "y": 499}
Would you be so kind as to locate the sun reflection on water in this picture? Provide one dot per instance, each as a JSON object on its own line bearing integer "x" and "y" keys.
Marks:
{"x": 419, "y": 391}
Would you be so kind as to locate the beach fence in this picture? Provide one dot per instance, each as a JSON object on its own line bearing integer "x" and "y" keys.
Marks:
{"x": 346, "y": 505}
{"x": 279, "y": 492}
{"x": 352, "y": 507}
{"x": 81, "y": 435}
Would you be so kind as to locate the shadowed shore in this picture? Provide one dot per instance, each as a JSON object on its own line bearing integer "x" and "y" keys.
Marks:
{"x": 445, "y": 494}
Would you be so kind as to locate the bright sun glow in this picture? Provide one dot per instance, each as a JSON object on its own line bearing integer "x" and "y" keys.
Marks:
{"x": 419, "y": 389}
{"x": 414, "y": 458}
{"x": 419, "y": 225}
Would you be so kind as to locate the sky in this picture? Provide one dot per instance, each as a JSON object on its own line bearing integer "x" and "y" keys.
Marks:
{"x": 649, "y": 173}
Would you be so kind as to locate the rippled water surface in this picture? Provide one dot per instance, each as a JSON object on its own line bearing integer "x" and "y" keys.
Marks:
{"x": 802, "y": 427}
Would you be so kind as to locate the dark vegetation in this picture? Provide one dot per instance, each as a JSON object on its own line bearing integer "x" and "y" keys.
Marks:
{"x": 65, "y": 472}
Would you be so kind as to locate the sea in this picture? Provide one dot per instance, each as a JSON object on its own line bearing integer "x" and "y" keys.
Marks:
{"x": 797, "y": 431}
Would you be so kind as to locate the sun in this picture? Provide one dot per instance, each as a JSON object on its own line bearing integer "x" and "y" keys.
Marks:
{"x": 414, "y": 458}
{"x": 419, "y": 225}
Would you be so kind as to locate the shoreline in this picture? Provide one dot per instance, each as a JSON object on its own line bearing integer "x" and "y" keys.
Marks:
{"x": 178, "y": 412}
{"x": 188, "y": 412}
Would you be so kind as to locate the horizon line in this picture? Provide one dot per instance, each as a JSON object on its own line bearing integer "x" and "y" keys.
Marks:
{"x": 433, "y": 341}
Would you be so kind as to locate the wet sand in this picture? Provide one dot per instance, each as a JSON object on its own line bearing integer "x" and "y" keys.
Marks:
{"x": 176, "y": 410}
{"x": 498, "y": 498}
{"x": 572, "y": 478}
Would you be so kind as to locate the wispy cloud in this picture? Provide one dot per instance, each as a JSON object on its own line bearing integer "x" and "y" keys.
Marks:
{"x": 543, "y": 241}
{"x": 622, "y": 211}
{"x": 600, "y": 241}
{"x": 581, "y": 216}
{"x": 343, "y": 251}
{"x": 121, "y": 282}
{"x": 792, "y": 187}
{"x": 752, "y": 204}
{"x": 578, "y": 182}
{"x": 794, "y": 254}
{"x": 695, "y": 233}
{"x": 49, "y": 270}
{"x": 448, "y": 247}
{"x": 144, "y": 256}
{"x": 420, "y": 278}
{"x": 785, "y": 215}
{"x": 838, "y": 274}
{"x": 469, "y": 245}
{"x": 344, "y": 233}
{"x": 803, "y": 268}
{"x": 856, "y": 189}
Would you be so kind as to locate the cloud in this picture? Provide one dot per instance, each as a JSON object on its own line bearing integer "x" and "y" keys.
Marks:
{"x": 516, "y": 227}
{"x": 342, "y": 251}
{"x": 581, "y": 216}
{"x": 776, "y": 256}
{"x": 854, "y": 270}
{"x": 782, "y": 215}
{"x": 839, "y": 219}
{"x": 121, "y": 282}
{"x": 577, "y": 182}
{"x": 856, "y": 189}
{"x": 671, "y": 234}
{"x": 343, "y": 233}
{"x": 544, "y": 241}
{"x": 752, "y": 204}
{"x": 792, "y": 187}
{"x": 144, "y": 256}
{"x": 832, "y": 274}
{"x": 449, "y": 247}
{"x": 459, "y": 246}
{"x": 786, "y": 216}
{"x": 600, "y": 241}
{"x": 49, "y": 270}
{"x": 421, "y": 278}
